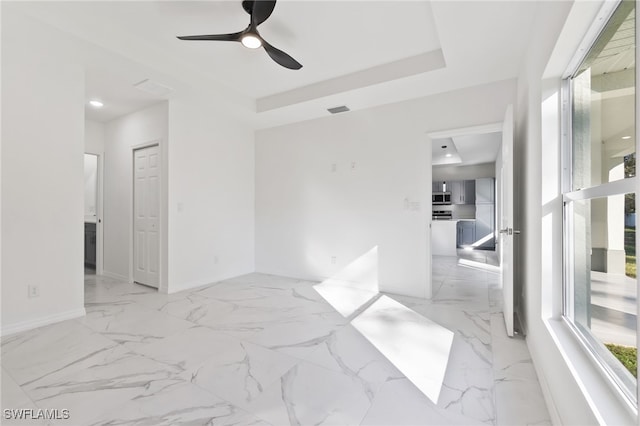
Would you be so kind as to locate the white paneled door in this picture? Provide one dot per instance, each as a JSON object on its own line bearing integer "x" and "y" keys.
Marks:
{"x": 146, "y": 216}
{"x": 506, "y": 221}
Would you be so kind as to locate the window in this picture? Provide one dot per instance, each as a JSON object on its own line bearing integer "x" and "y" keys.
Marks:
{"x": 600, "y": 290}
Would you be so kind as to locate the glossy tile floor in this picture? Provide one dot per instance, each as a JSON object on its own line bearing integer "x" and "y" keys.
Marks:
{"x": 267, "y": 350}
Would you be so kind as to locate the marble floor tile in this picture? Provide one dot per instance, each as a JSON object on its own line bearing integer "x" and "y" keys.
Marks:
{"x": 298, "y": 337}
{"x": 241, "y": 372}
{"x": 34, "y": 354}
{"x": 511, "y": 358}
{"x": 180, "y": 405}
{"x": 40, "y": 387}
{"x": 196, "y": 309}
{"x": 99, "y": 289}
{"x": 188, "y": 349}
{"x": 347, "y": 351}
{"x": 345, "y": 300}
{"x": 400, "y": 403}
{"x": 312, "y": 395}
{"x": 417, "y": 346}
{"x": 268, "y": 350}
{"x": 12, "y": 395}
{"x": 101, "y": 388}
{"x": 469, "y": 392}
{"x": 520, "y": 402}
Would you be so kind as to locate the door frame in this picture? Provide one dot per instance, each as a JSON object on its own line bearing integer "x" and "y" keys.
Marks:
{"x": 450, "y": 133}
{"x": 99, "y": 211}
{"x": 134, "y": 148}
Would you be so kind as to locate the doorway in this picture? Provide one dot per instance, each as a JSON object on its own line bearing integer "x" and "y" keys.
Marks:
{"x": 493, "y": 221}
{"x": 146, "y": 216}
{"x": 465, "y": 193}
{"x": 466, "y": 202}
{"x": 92, "y": 215}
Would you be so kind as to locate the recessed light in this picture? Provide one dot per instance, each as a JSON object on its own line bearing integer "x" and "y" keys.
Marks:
{"x": 626, "y": 137}
{"x": 95, "y": 103}
{"x": 448, "y": 155}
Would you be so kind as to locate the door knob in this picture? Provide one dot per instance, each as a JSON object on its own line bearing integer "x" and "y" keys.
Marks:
{"x": 504, "y": 231}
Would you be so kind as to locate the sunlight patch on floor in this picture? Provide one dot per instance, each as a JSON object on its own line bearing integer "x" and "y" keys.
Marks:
{"x": 353, "y": 286}
{"x": 417, "y": 346}
{"x": 478, "y": 265}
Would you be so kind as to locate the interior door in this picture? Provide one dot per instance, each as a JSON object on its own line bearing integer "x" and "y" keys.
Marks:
{"x": 146, "y": 213}
{"x": 506, "y": 220}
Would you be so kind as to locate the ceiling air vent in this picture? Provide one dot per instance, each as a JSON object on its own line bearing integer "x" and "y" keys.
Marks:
{"x": 338, "y": 109}
{"x": 153, "y": 87}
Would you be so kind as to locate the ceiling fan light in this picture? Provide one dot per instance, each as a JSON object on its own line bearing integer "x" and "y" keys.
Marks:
{"x": 251, "y": 41}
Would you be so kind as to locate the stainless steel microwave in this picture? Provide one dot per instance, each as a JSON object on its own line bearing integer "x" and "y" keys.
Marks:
{"x": 441, "y": 198}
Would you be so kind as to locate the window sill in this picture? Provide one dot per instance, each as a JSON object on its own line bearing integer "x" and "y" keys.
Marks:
{"x": 608, "y": 403}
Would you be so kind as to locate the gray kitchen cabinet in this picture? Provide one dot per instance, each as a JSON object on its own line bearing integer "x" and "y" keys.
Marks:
{"x": 436, "y": 186}
{"x": 463, "y": 191}
{"x": 465, "y": 233}
{"x": 457, "y": 191}
{"x": 469, "y": 192}
{"x": 90, "y": 244}
{"x": 485, "y": 226}
{"x": 485, "y": 191}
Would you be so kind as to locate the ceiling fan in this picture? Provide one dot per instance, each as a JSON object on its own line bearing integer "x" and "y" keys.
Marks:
{"x": 259, "y": 10}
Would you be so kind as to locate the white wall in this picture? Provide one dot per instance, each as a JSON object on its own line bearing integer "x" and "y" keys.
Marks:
{"x": 42, "y": 234}
{"x": 211, "y": 193}
{"x": 121, "y": 136}
{"x": 474, "y": 171}
{"x": 94, "y": 137}
{"x": 306, "y": 214}
{"x": 575, "y": 391}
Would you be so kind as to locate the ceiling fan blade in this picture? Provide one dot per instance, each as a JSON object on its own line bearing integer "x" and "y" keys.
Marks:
{"x": 280, "y": 57}
{"x": 262, "y": 9}
{"x": 215, "y": 37}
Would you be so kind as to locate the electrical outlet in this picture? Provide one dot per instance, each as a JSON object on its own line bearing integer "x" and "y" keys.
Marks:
{"x": 353, "y": 165}
{"x": 333, "y": 260}
{"x": 215, "y": 260}
{"x": 34, "y": 291}
{"x": 334, "y": 167}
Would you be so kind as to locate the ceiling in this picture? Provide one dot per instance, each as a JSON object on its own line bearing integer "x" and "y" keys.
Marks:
{"x": 358, "y": 53}
{"x": 466, "y": 150}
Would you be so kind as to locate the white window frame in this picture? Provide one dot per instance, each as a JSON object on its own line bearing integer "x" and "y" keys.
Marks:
{"x": 569, "y": 196}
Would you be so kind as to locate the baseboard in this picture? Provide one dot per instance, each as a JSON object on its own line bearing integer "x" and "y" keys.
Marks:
{"x": 191, "y": 285}
{"x": 115, "y": 276}
{"x": 548, "y": 399}
{"x": 41, "y": 322}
